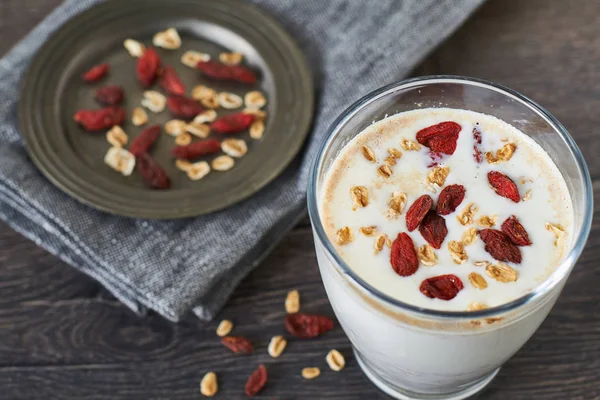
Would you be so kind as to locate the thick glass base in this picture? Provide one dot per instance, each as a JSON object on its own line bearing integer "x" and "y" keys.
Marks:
{"x": 398, "y": 393}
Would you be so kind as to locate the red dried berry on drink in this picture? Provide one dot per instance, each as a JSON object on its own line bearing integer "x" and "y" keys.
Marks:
{"x": 417, "y": 212}
{"x": 169, "y": 81}
{"x": 147, "y": 67}
{"x": 433, "y": 229}
{"x": 450, "y": 198}
{"x": 183, "y": 107}
{"x": 237, "y": 344}
{"x": 102, "y": 119}
{"x": 237, "y": 73}
{"x": 197, "y": 149}
{"x": 515, "y": 231}
{"x": 443, "y": 287}
{"x": 96, "y": 73}
{"x": 111, "y": 95}
{"x": 403, "y": 255}
{"x": 504, "y": 186}
{"x": 233, "y": 123}
{"x": 499, "y": 246}
{"x": 142, "y": 143}
{"x": 257, "y": 381}
{"x": 307, "y": 326}
{"x": 152, "y": 172}
{"x": 440, "y": 138}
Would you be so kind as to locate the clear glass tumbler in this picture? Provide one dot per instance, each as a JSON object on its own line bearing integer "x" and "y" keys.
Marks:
{"x": 415, "y": 353}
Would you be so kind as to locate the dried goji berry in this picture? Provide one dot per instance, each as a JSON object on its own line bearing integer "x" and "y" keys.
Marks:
{"x": 237, "y": 73}
{"x": 450, "y": 198}
{"x": 197, "y": 149}
{"x": 184, "y": 107}
{"x": 307, "y": 326}
{"x": 504, "y": 186}
{"x": 111, "y": 95}
{"x": 96, "y": 73}
{"x": 441, "y": 137}
{"x": 417, "y": 211}
{"x": 169, "y": 80}
{"x": 147, "y": 67}
{"x": 232, "y": 123}
{"x": 433, "y": 229}
{"x": 403, "y": 255}
{"x": 443, "y": 287}
{"x": 499, "y": 246}
{"x": 152, "y": 172}
{"x": 477, "y": 152}
{"x": 142, "y": 143}
{"x": 237, "y": 344}
{"x": 515, "y": 231}
{"x": 104, "y": 118}
{"x": 257, "y": 381}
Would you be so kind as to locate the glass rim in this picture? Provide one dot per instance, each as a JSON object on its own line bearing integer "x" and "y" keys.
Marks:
{"x": 538, "y": 291}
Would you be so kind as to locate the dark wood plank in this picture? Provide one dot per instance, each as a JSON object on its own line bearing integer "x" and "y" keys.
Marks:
{"x": 61, "y": 336}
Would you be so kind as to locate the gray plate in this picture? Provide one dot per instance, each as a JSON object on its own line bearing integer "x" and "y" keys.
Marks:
{"x": 73, "y": 159}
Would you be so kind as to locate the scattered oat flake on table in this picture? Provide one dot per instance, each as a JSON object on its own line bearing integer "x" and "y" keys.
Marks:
{"x": 208, "y": 384}
{"x": 233, "y": 58}
{"x": 168, "y": 39}
{"x": 229, "y": 100}
{"x": 197, "y": 170}
{"x": 175, "y": 127}
{"x": 276, "y": 346}
{"x": 139, "y": 116}
{"x": 198, "y": 129}
{"x": 311, "y": 372}
{"x": 135, "y": 48}
{"x": 335, "y": 360}
{"x": 223, "y": 163}
{"x": 120, "y": 160}
{"x": 224, "y": 328}
{"x": 292, "y": 302}
{"x": 184, "y": 139}
{"x": 255, "y": 100}
{"x": 191, "y": 58}
{"x": 154, "y": 101}
{"x": 234, "y": 147}
{"x": 117, "y": 137}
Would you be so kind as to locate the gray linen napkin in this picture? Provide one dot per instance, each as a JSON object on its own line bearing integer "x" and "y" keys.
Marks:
{"x": 173, "y": 267}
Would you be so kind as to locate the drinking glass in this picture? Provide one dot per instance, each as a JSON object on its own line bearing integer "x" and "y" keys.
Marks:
{"x": 416, "y": 353}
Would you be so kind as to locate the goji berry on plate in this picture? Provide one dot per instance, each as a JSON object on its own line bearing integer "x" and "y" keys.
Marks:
{"x": 152, "y": 172}
{"x": 142, "y": 143}
{"x": 196, "y": 149}
{"x": 111, "y": 95}
{"x": 96, "y": 73}
{"x": 183, "y": 107}
{"x": 147, "y": 67}
{"x": 232, "y": 123}
{"x": 170, "y": 81}
{"x": 219, "y": 71}
{"x": 104, "y": 118}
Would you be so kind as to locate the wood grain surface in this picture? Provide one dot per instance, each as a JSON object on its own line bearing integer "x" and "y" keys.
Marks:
{"x": 64, "y": 337}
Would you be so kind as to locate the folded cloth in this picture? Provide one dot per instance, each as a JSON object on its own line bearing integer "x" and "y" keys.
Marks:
{"x": 194, "y": 264}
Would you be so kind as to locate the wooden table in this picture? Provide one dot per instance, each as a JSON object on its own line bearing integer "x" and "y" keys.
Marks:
{"x": 64, "y": 337}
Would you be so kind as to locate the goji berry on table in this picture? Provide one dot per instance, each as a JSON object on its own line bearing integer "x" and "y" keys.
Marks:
{"x": 169, "y": 80}
{"x": 499, "y": 246}
{"x": 142, "y": 143}
{"x": 433, "y": 229}
{"x": 443, "y": 287}
{"x": 147, "y": 67}
{"x": 110, "y": 95}
{"x": 417, "y": 211}
{"x": 183, "y": 107}
{"x": 257, "y": 381}
{"x": 197, "y": 149}
{"x": 450, "y": 198}
{"x": 515, "y": 231}
{"x": 237, "y": 344}
{"x": 441, "y": 137}
{"x": 403, "y": 255}
{"x": 152, "y": 172}
{"x": 104, "y": 118}
{"x": 307, "y": 326}
{"x": 237, "y": 73}
{"x": 96, "y": 73}
{"x": 504, "y": 186}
